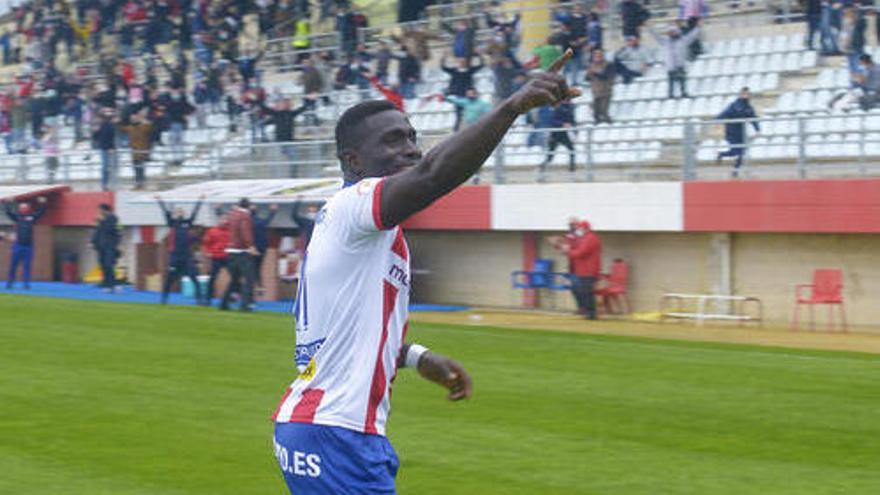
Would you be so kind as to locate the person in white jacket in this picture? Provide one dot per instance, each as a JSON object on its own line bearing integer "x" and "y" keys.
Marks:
{"x": 674, "y": 47}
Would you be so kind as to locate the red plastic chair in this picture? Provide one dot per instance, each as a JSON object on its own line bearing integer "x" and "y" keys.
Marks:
{"x": 616, "y": 288}
{"x": 827, "y": 288}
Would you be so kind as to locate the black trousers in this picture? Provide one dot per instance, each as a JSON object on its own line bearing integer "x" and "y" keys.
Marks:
{"x": 557, "y": 138}
{"x": 107, "y": 260}
{"x": 678, "y": 76}
{"x": 217, "y": 264}
{"x": 177, "y": 268}
{"x": 583, "y": 293}
{"x": 258, "y": 267}
{"x": 241, "y": 272}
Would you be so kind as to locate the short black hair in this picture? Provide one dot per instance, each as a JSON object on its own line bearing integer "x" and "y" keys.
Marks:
{"x": 345, "y": 127}
{"x": 105, "y": 207}
{"x": 244, "y": 203}
{"x": 865, "y": 58}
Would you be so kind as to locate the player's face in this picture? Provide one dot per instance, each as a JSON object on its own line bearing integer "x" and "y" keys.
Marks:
{"x": 388, "y": 145}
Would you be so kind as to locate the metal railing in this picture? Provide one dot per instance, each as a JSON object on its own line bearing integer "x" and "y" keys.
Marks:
{"x": 799, "y": 146}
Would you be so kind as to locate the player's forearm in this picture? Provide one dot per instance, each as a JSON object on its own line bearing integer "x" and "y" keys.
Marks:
{"x": 453, "y": 161}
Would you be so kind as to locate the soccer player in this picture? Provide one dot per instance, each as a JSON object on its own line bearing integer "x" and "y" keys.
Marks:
{"x": 351, "y": 306}
{"x": 180, "y": 260}
{"x": 23, "y": 248}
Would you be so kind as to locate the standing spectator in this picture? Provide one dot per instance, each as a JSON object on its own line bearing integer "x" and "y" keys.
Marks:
{"x": 829, "y": 19}
{"x": 140, "y": 134}
{"x": 869, "y": 81}
{"x": 563, "y": 118}
{"x": 409, "y": 72}
{"x": 675, "y": 52}
{"x": 545, "y": 54}
{"x": 51, "y": 149}
{"x": 852, "y": 37}
{"x": 104, "y": 139}
{"x": 24, "y": 218}
{"x": 735, "y": 132}
{"x": 585, "y": 256}
{"x": 241, "y": 253}
{"x": 282, "y": 116}
{"x": 463, "y": 35}
{"x": 346, "y": 28}
{"x": 180, "y": 259}
{"x": 177, "y": 109}
{"x": 813, "y": 10}
{"x": 105, "y": 240}
{"x": 247, "y": 67}
{"x": 201, "y": 98}
{"x": 471, "y": 106}
{"x": 261, "y": 238}
{"x": 505, "y": 71}
{"x": 214, "y": 244}
{"x": 383, "y": 60}
{"x": 461, "y": 78}
{"x": 631, "y": 61}
{"x": 601, "y": 76}
{"x": 632, "y": 15}
{"x": 575, "y": 23}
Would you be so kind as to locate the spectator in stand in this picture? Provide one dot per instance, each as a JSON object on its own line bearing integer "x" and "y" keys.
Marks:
{"x": 51, "y": 149}
{"x": 18, "y": 119}
{"x": 675, "y": 52}
{"x": 632, "y": 15}
{"x": 735, "y": 132}
{"x": 247, "y": 67}
{"x": 282, "y": 117}
{"x": 461, "y": 78}
{"x": 241, "y": 257}
{"x": 261, "y": 238}
{"x": 214, "y": 243}
{"x": 575, "y": 22}
{"x": 631, "y": 61}
{"x": 346, "y": 28}
{"x": 829, "y": 22}
{"x": 180, "y": 260}
{"x": 544, "y": 55}
{"x": 178, "y": 109}
{"x": 201, "y": 98}
{"x": 563, "y": 118}
{"x": 409, "y": 72}
{"x": 852, "y": 37}
{"x": 391, "y": 93}
{"x": 105, "y": 240}
{"x": 104, "y": 139}
{"x": 869, "y": 81}
{"x": 471, "y": 106}
{"x": 504, "y": 25}
{"x": 601, "y": 76}
{"x": 24, "y": 217}
{"x": 463, "y": 35}
{"x": 140, "y": 135}
{"x": 505, "y": 72}
{"x": 383, "y": 61}
{"x": 813, "y": 10}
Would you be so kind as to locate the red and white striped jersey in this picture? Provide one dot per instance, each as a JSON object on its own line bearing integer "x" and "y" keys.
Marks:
{"x": 351, "y": 312}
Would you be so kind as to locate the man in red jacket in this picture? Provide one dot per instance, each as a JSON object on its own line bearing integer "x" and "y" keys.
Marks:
{"x": 241, "y": 251}
{"x": 214, "y": 243}
{"x": 585, "y": 256}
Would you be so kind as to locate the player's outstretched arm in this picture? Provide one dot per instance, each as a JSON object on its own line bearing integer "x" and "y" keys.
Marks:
{"x": 451, "y": 162}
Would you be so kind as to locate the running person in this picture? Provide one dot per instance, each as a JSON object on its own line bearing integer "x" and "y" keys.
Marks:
{"x": 351, "y": 307}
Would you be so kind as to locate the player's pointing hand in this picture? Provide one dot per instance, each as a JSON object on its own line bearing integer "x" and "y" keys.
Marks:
{"x": 545, "y": 88}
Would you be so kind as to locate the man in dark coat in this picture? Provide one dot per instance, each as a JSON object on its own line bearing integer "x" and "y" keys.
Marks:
{"x": 632, "y": 14}
{"x": 105, "y": 240}
{"x": 735, "y": 132}
{"x": 261, "y": 237}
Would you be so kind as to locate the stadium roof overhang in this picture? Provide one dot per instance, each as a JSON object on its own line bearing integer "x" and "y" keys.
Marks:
{"x": 258, "y": 191}
{"x": 23, "y": 193}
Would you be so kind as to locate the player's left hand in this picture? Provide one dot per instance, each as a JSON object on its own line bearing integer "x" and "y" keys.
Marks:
{"x": 448, "y": 373}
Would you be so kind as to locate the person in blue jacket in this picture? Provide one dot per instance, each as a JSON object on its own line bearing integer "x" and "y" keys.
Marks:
{"x": 105, "y": 240}
{"x": 735, "y": 132}
{"x": 180, "y": 259}
{"x": 24, "y": 218}
{"x": 261, "y": 237}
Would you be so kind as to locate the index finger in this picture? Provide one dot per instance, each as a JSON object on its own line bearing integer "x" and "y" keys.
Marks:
{"x": 560, "y": 62}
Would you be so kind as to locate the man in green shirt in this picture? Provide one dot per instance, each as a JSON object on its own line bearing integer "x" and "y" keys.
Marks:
{"x": 545, "y": 54}
{"x": 472, "y": 107}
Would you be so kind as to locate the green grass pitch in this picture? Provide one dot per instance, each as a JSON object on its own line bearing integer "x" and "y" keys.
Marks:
{"x": 131, "y": 399}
